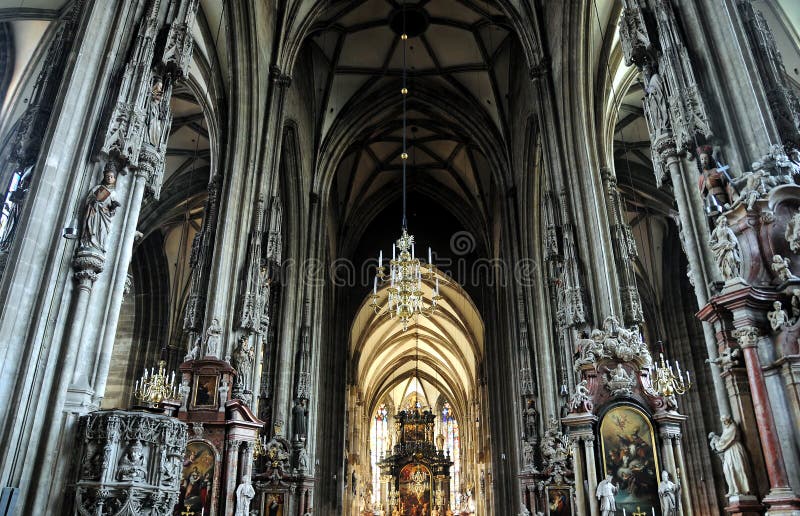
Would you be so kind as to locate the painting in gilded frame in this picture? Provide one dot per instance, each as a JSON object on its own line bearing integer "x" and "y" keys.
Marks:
{"x": 274, "y": 505}
{"x": 197, "y": 479}
{"x": 413, "y": 504}
{"x": 205, "y": 391}
{"x": 559, "y": 501}
{"x": 629, "y": 456}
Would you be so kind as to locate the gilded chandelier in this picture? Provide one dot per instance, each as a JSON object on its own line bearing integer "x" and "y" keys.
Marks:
{"x": 154, "y": 387}
{"x": 667, "y": 382}
{"x": 406, "y": 271}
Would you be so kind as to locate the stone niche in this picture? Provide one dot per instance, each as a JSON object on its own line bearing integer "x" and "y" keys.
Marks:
{"x": 126, "y": 462}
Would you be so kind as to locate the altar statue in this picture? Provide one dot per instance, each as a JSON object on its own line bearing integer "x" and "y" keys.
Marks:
{"x": 668, "y": 494}
{"x": 605, "y": 494}
{"x": 735, "y": 465}
{"x": 244, "y": 493}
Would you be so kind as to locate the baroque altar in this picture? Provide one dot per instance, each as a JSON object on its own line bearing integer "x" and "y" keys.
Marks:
{"x": 416, "y": 476}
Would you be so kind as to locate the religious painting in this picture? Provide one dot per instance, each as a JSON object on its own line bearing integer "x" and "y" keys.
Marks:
{"x": 205, "y": 390}
{"x": 629, "y": 456}
{"x": 197, "y": 480}
{"x": 415, "y": 490}
{"x": 559, "y": 501}
{"x": 274, "y": 504}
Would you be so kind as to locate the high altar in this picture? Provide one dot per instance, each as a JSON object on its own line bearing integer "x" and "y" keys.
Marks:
{"x": 416, "y": 477}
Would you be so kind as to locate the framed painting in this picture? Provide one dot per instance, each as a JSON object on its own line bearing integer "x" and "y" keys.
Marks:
{"x": 197, "y": 479}
{"x": 559, "y": 501}
{"x": 274, "y": 504}
{"x": 629, "y": 456}
{"x": 415, "y": 490}
{"x": 205, "y": 391}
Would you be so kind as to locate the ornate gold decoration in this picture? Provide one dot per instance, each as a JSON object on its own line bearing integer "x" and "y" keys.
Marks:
{"x": 154, "y": 387}
{"x": 666, "y": 381}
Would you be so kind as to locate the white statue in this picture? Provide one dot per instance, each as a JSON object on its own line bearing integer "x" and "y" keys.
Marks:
{"x": 778, "y": 317}
{"x": 194, "y": 352}
{"x": 780, "y": 266}
{"x": 244, "y": 493}
{"x": 213, "y": 338}
{"x": 523, "y": 511}
{"x": 668, "y": 494}
{"x": 725, "y": 247}
{"x": 605, "y": 494}
{"x": 101, "y": 206}
{"x": 795, "y": 305}
{"x": 155, "y": 119}
{"x": 793, "y": 231}
{"x": 735, "y": 465}
{"x": 184, "y": 393}
{"x": 581, "y": 398}
{"x": 223, "y": 395}
{"x": 302, "y": 460}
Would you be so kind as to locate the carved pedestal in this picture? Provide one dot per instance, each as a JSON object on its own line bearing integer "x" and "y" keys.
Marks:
{"x": 127, "y": 462}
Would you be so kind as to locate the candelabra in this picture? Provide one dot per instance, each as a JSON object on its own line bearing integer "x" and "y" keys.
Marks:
{"x": 154, "y": 388}
{"x": 260, "y": 447}
{"x": 666, "y": 381}
{"x": 406, "y": 272}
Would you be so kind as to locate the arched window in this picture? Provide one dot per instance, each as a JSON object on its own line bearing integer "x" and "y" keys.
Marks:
{"x": 379, "y": 443}
{"x": 452, "y": 443}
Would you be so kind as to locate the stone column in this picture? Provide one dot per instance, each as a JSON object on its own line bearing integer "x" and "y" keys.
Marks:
{"x": 591, "y": 473}
{"x": 780, "y": 497}
{"x": 580, "y": 494}
{"x": 686, "y": 500}
{"x": 227, "y": 498}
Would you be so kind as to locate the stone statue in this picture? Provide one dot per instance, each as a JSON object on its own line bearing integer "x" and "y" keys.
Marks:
{"x": 244, "y": 493}
{"x": 619, "y": 381}
{"x": 155, "y": 118}
{"x": 523, "y": 511}
{"x": 299, "y": 420}
{"x": 302, "y": 459}
{"x": 101, "y": 206}
{"x": 668, "y": 494}
{"x": 131, "y": 466}
{"x": 213, "y": 338}
{"x": 223, "y": 395}
{"x": 713, "y": 182}
{"x": 795, "y": 305}
{"x": 725, "y": 247}
{"x": 590, "y": 349}
{"x": 605, "y": 495}
{"x": 527, "y": 456}
{"x": 581, "y": 398}
{"x": 244, "y": 356}
{"x": 194, "y": 352}
{"x": 753, "y": 188}
{"x": 793, "y": 232}
{"x": 780, "y": 266}
{"x": 735, "y": 464}
{"x": 530, "y": 418}
{"x": 778, "y": 317}
{"x": 184, "y": 393}
{"x": 656, "y": 105}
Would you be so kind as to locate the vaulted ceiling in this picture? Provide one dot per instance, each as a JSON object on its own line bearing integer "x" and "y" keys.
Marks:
{"x": 457, "y": 49}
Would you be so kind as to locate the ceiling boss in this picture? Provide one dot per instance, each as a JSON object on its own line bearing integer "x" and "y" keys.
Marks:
{"x": 406, "y": 298}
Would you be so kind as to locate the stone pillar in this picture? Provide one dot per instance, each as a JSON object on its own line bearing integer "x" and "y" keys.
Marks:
{"x": 686, "y": 499}
{"x": 591, "y": 473}
{"x": 580, "y": 493}
{"x": 669, "y": 429}
{"x": 781, "y": 497}
{"x": 227, "y": 499}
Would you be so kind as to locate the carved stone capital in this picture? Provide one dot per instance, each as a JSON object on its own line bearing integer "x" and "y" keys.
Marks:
{"x": 88, "y": 263}
{"x": 747, "y": 336}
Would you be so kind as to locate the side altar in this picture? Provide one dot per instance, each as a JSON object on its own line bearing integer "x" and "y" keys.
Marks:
{"x": 416, "y": 477}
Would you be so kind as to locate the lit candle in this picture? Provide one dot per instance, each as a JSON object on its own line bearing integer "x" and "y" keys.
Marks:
{"x": 412, "y": 250}
{"x": 430, "y": 256}
{"x": 687, "y": 377}
{"x": 394, "y": 254}
{"x": 623, "y": 512}
{"x": 375, "y": 285}
{"x": 437, "y": 286}
{"x": 380, "y": 259}
{"x": 654, "y": 510}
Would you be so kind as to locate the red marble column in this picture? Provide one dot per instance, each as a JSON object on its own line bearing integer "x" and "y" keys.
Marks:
{"x": 780, "y": 495}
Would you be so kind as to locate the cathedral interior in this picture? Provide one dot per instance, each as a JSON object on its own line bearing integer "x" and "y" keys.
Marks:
{"x": 400, "y": 257}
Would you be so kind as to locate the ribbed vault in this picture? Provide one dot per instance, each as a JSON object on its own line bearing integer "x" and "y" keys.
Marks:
{"x": 443, "y": 351}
